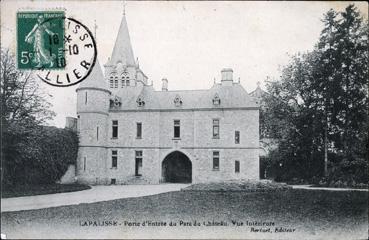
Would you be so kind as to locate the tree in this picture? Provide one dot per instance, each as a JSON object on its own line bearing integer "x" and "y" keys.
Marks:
{"x": 24, "y": 108}
{"x": 319, "y": 106}
{"x": 22, "y": 101}
{"x": 342, "y": 77}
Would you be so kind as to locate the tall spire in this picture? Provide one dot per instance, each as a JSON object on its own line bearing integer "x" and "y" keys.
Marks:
{"x": 122, "y": 50}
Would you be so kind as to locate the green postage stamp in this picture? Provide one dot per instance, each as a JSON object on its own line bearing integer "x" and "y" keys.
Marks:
{"x": 40, "y": 40}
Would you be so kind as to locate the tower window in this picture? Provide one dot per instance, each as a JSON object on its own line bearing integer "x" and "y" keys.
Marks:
{"x": 177, "y": 129}
{"x": 236, "y": 166}
{"x": 78, "y": 122}
{"x": 114, "y": 159}
{"x": 237, "y": 137}
{"x": 215, "y": 128}
{"x": 84, "y": 163}
{"x": 139, "y": 130}
{"x": 111, "y": 82}
{"x": 215, "y": 160}
{"x": 115, "y": 129}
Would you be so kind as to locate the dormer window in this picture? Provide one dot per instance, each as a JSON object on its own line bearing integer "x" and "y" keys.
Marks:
{"x": 178, "y": 101}
{"x": 216, "y": 100}
{"x": 140, "y": 101}
{"x": 115, "y": 102}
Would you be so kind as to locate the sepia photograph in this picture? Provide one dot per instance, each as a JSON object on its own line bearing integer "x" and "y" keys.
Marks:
{"x": 184, "y": 119}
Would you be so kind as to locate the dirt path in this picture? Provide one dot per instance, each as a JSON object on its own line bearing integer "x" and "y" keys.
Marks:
{"x": 95, "y": 194}
{"x": 309, "y": 187}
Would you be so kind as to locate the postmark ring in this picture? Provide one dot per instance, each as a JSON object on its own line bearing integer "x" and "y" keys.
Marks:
{"x": 71, "y": 75}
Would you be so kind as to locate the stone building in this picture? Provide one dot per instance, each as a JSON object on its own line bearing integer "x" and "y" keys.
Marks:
{"x": 132, "y": 134}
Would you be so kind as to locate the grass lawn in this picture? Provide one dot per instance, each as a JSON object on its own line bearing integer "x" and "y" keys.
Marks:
{"x": 313, "y": 215}
{"x": 31, "y": 190}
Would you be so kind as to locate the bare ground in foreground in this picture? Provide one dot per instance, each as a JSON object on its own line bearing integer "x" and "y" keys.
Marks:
{"x": 313, "y": 215}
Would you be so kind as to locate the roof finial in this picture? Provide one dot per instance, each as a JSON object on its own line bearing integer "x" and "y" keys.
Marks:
{"x": 124, "y": 7}
{"x": 95, "y": 27}
{"x": 258, "y": 83}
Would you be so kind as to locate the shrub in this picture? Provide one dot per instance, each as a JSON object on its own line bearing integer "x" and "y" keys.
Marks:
{"x": 239, "y": 185}
{"x": 40, "y": 155}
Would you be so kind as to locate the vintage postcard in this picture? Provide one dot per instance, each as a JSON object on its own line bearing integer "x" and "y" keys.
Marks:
{"x": 184, "y": 119}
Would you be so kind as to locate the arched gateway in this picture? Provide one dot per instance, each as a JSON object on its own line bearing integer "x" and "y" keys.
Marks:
{"x": 176, "y": 168}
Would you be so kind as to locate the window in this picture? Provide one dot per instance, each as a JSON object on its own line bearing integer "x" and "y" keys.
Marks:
{"x": 111, "y": 82}
{"x": 215, "y": 160}
{"x": 78, "y": 122}
{"x": 177, "y": 129}
{"x": 140, "y": 101}
{"x": 113, "y": 181}
{"x": 139, "y": 130}
{"x": 237, "y": 137}
{"x": 115, "y": 102}
{"x": 177, "y": 101}
{"x": 115, "y": 129}
{"x": 127, "y": 81}
{"x": 138, "y": 163}
{"x": 216, "y": 100}
{"x": 84, "y": 163}
{"x": 97, "y": 133}
{"x": 114, "y": 159}
{"x": 85, "y": 97}
{"x": 215, "y": 128}
{"x": 116, "y": 82}
{"x": 123, "y": 82}
{"x": 236, "y": 166}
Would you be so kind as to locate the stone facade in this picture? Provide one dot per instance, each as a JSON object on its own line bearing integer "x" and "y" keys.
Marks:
{"x": 127, "y": 129}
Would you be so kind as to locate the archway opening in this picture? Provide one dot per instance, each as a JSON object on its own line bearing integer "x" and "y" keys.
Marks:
{"x": 176, "y": 168}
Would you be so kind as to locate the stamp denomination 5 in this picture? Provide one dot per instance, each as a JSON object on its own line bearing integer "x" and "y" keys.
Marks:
{"x": 61, "y": 51}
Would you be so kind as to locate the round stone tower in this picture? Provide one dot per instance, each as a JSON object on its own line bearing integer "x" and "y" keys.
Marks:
{"x": 92, "y": 110}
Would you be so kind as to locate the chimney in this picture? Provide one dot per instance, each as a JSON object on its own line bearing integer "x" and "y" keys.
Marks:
{"x": 227, "y": 76}
{"x": 164, "y": 86}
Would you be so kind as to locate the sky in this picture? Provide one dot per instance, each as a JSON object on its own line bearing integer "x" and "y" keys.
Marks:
{"x": 189, "y": 42}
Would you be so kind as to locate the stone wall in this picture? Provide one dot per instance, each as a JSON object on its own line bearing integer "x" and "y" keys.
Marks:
{"x": 157, "y": 141}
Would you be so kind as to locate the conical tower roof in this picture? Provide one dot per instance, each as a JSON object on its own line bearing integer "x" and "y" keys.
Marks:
{"x": 95, "y": 79}
{"x": 123, "y": 49}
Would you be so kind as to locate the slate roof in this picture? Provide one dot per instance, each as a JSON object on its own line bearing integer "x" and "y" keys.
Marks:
{"x": 258, "y": 92}
{"x": 122, "y": 50}
{"x": 233, "y": 96}
{"x": 95, "y": 79}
